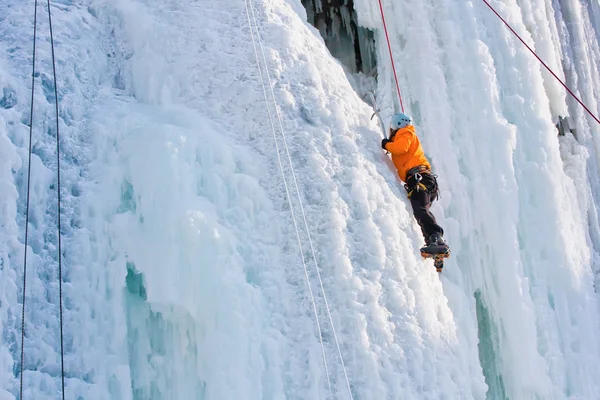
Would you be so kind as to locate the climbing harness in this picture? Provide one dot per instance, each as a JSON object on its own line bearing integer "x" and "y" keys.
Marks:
{"x": 252, "y": 18}
{"x": 58, "y": 188}
{"x": 417, "y": 186}
{"x": 414, "y": 182}
{"x": 542, "y": 62}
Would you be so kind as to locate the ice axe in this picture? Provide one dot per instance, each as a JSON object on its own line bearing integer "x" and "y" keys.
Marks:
{"x": 371, "y": 95}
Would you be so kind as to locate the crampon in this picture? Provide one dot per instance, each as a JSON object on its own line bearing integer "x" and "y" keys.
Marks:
{"x": 438, "y": 256}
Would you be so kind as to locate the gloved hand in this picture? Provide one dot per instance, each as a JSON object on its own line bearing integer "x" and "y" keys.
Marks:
{"x": 384, "y": 142}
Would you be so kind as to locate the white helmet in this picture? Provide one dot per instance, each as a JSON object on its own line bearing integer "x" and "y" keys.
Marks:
{"x": 399, "y": 121}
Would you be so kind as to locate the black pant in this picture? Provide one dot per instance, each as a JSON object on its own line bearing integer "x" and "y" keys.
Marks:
{"x": 421, "y": 200}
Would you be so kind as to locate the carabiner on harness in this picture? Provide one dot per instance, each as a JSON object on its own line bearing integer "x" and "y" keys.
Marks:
{"x": 417, "y": 185}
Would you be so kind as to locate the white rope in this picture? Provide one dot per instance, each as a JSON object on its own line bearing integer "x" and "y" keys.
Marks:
{"x": 301, "y": 203}
{"x": 312, "y": 297}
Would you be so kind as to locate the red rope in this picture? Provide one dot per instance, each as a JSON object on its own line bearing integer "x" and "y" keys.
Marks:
{"x": 391, "y": 56}
{"x": 543, "y": 63}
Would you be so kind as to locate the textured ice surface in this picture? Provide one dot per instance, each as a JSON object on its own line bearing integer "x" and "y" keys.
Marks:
{"x": 183, "y": 273}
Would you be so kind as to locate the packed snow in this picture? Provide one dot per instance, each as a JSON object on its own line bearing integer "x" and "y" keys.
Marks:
{"x": 232, "y": 229}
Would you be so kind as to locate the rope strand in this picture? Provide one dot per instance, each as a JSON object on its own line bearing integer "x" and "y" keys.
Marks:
{"x": 58, "y": 187}
{"x": 287, "y": 192}
{"x": 277, "y": 112}
{"x": 542, "y": 62}
{"x": 387, "y": 38}
{"x": 27, "y": 203}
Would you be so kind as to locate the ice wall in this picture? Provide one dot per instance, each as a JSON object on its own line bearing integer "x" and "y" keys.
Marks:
{"x": 528, "y": 275}
{"x": 191, "y": 244}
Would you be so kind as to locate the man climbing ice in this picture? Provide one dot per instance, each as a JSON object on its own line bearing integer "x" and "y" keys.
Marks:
{"x": 421, "y": 185}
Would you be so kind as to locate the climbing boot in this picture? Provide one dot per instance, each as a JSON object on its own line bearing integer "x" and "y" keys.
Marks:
{"x": 435, "y": 246}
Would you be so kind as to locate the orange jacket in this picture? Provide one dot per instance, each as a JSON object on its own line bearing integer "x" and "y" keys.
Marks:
{"x": 406, "y": 151}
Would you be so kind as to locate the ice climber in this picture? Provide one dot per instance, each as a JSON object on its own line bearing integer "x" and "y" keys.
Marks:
{"x": 421, "y": 185}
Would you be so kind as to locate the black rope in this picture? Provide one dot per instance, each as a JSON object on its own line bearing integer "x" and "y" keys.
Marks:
{"x": 62, "y": 351}
{"x": 27, "y": 206}
{"x": 62, "y": 363}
